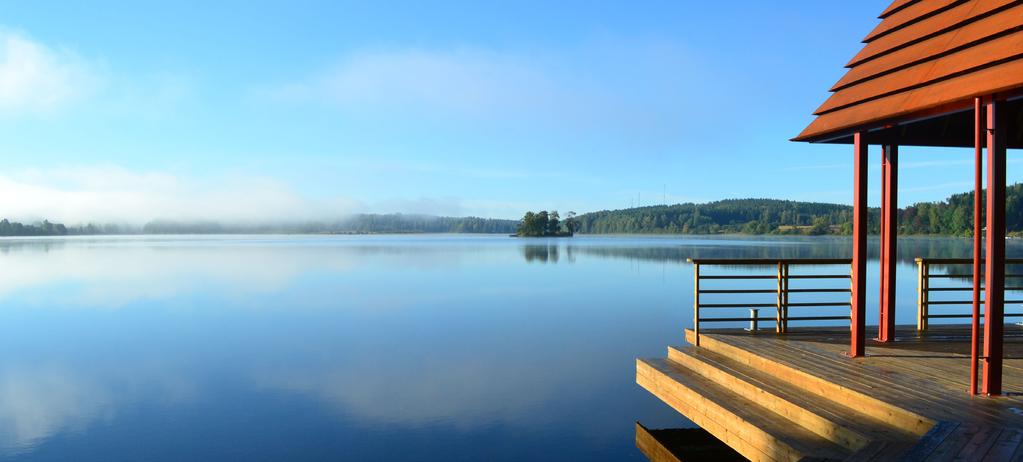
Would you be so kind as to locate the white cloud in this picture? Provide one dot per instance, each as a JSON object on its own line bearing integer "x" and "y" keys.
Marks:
{"x": 636, "y": 89}
{"x": 463, "y": 81}
{"x": 36, "y": 78}
{"x": 113, "y": 194}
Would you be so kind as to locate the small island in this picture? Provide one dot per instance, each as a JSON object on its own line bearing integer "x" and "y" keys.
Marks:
{"x": 544, "y": 224}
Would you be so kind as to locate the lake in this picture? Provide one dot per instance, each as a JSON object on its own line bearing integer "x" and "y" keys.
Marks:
{"x": 423, "y": 347}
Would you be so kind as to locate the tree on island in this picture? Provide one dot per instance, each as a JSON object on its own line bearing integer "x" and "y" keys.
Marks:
{"x": 546, "y": 224}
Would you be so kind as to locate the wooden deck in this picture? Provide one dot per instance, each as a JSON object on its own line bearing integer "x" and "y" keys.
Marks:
{"x": 796, "y": 396}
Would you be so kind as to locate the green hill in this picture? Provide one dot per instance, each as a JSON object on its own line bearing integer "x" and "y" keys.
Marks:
{"x": 953, "y": 216}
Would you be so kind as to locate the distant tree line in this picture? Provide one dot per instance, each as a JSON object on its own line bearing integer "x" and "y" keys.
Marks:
{"x": 953, "y": 216}
{"x": 355, "y": 224}
{"x": 399, "y": 223}
{"x": 46, "y": 228}
{"x": 950, "y": 217}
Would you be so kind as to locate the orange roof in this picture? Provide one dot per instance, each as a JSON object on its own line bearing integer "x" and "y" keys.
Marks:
{"x": 926, "y": 57}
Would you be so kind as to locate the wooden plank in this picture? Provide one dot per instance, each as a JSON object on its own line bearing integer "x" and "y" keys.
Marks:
{"x": 867, "y": 404}
{"x": 1006, "y": 444}
{"x": 980, "y": 444}
{"x": 895, "y": 6}
{"x": 990, "y": 80}
{"x": 721, "y": 432}
{"x": 812, "y": 417}
{"x": 896, "y": 385}
{"x": 931, "y": 441}
{"x": 953, "y": 443}
{"x": 967, "y": 35}
{"x": 908, "y": 15}
{"x": 753, "y": 431}
{"x": 998, "y": 49}
{"x": 894, "y": 388}
{"x": 946, "y": 20}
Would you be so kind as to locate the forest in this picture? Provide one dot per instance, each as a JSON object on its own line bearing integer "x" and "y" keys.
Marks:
{"x": 951, "y": 217}
{"x": 355, "y": 224}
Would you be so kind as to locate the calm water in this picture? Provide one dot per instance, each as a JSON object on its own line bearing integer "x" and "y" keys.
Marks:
{"x": 367, "y": 348}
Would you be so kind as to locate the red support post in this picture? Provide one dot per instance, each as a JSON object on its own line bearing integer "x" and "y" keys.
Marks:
{"x": 882, "y": 218}
{"x": 859, "y": 254}
{"x": 994, "y": 261}
{"x": 889, "y": 236}
{"x": 978, "y": 160}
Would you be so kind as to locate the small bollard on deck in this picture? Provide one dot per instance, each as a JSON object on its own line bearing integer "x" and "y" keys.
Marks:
{"x": 754, "y": 313}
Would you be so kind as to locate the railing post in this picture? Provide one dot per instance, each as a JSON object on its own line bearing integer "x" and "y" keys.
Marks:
{"x": 927, "y": 295}
{"x": 696, "y": 302}
{"x": 754, "y": 317}
{"x": 785, "y": 301}
{"x": 779, "y": 323}
{"x": 922, "y": 274}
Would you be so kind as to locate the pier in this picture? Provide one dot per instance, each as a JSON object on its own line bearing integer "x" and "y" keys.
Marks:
{"x": 798, "y": 396}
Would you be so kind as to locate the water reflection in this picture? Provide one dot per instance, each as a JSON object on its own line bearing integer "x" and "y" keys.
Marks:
{"x": 678, "y": 250}
{"x": 379, "y": 347}
{"x": 543, "y": 253}
{"x": 38, "y": 401}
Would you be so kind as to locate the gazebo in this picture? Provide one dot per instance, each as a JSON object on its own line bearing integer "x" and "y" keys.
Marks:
{"x": 933, "y": 73}
{"x": 941, "y": 73}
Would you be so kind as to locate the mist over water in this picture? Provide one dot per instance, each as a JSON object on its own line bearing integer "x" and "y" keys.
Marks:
{"x": 419, "y": 347}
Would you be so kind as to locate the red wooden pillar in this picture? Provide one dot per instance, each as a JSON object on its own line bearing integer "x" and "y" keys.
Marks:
{"x": 889, "y": 235}
{"x": 859, "y": 254}
{"x": 978, "y": 161}
{"x": 994, "y": 261}
{"x": 883, "y": 218}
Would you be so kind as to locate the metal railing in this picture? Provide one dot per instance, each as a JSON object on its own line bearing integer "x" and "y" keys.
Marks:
{"x": 779, "y": 287}
{"x": 924, "y": 289}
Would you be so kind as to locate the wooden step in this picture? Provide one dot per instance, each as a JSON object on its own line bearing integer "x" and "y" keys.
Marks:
{"x": 838, "y": 423}
{"x": 752, "y": 430}
{"x": 893, "y": 415}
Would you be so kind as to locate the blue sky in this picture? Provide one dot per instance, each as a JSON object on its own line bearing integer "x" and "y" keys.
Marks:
{"x": 131, "y": 111}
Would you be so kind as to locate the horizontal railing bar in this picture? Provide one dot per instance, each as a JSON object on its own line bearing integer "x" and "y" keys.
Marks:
{"x": 821, "y": 304}
{"x": 818, "y": 276}
{"x": 738, "y": 305}
{"x": 966, "y": 276}
{"x": 738, "y": 277}
{"x": 951, "y": 316}
{"x": 738, "y": 291}
{"x": 969, "y": 302}
{"x": 733, "y": 319}
{"x": 769, "y": 261}
{"x": 794, "y": 291}
{"x": 953, "y": 289}
{"x": 816, "y": 318}
{"x": 772, "y": 291}
{"x": 960, "y": 261}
